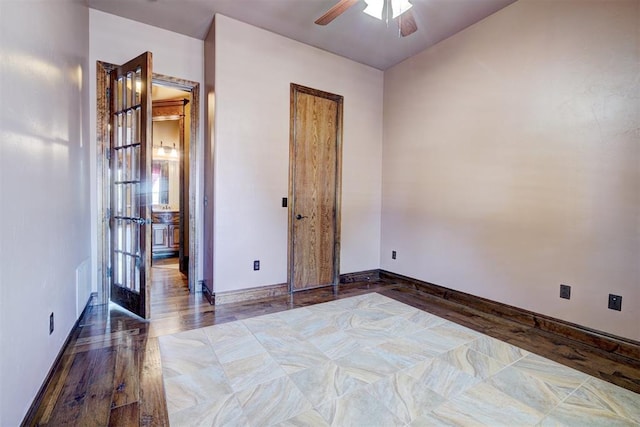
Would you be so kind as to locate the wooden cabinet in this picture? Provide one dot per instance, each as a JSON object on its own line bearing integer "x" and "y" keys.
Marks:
{"x": 165, "y": 234}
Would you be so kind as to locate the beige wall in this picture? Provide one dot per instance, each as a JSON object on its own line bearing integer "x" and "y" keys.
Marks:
{"x": 44, "y": 190}
{"x": 253, "y": 71}
{"x": 512, "y": 161}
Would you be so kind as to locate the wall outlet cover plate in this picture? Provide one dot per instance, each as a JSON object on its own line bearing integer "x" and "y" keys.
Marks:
{"x": 615, "y": 302}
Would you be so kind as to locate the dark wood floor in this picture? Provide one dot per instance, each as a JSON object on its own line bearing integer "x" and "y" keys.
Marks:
{"x": 110, "y": 373}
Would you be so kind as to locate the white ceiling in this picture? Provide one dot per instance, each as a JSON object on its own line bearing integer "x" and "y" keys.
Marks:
{"x": 354, "y": 34}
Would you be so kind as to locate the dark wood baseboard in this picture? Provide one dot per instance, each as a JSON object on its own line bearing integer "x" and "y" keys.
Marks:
{"x": 360, "y": 276}
{"x": 164, "y": 255}
{"x": 601, "y": 340}
{"x": 31, "y": 413}
{"x": 207, "y": 294}
{"x": 260, "y": 292}
{"x": 272, "y": 291}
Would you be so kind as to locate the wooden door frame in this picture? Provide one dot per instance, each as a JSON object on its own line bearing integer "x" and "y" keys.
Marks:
{"x": 102, "y": 167}
{"x": 339, "y": 99}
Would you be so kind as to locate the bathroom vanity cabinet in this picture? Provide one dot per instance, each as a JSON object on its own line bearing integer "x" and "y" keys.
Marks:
{"x": 165, "y": 234}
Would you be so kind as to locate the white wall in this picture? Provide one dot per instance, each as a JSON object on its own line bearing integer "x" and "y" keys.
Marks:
{"x": 253, "y": 71}
{"x": 116, "y": 40}
{"x": 44, "y": 189}
{"x": 512, "y": 162}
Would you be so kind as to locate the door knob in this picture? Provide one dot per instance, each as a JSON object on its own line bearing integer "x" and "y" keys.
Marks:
{"x": 300, "y": 216}
{"x": 141, "y": 221}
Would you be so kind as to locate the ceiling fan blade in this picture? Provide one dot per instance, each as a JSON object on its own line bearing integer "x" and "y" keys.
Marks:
{"x": 407, "y": 24}
{"x": 337, "y": 10}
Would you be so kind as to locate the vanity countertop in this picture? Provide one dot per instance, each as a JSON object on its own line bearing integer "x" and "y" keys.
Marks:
{"x": 165, "y": 217}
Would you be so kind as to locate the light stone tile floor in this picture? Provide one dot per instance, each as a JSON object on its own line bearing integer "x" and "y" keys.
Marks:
{"x": 372, "y": 361}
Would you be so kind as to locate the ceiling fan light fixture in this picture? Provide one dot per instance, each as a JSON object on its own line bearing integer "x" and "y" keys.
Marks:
{"x": 384, "y": 10}
{"x": 399, "y": 7}
{"x": 374, "y": 8}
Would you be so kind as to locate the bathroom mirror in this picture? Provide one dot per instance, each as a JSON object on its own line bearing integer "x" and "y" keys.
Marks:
{"x": 165, "y": 168}
{"x": 165, "y": 184}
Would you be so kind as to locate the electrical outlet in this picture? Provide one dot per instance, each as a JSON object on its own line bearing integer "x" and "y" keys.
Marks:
{"x": 256, "y": 265}
{"x": 50, "y": 323}
{"x": 393, "y": 254}
{"x": 565, "y": 291}
{"x": 615, "y": 302}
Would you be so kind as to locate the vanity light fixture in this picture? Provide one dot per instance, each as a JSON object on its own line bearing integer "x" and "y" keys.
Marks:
{"x": 161, "y": 150}
{"x": 174, "y": 152}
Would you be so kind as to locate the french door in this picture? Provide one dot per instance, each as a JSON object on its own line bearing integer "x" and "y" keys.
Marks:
{"x": 130, "y": 211}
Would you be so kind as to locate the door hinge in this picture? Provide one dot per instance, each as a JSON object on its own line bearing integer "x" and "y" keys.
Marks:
{"x": 107, "y": 214}
{"x": 108, "y": 154}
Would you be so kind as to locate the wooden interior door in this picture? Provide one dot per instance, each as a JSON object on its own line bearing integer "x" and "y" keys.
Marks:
{"x": 314, "y": 188}
{"x": 130, "y": 212}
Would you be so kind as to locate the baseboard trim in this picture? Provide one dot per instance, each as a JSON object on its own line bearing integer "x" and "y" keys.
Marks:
{"x": 31, "y": 413}
{"x": 601, "y": 340}
{"x": 242, "y": 295}
{"x": 207, "y": 294}
{"x": 272, "y": 291}
{"x": 360, "y": 276}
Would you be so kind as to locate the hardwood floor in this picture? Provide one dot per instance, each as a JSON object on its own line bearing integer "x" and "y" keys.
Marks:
{"x": 110, "y": 373}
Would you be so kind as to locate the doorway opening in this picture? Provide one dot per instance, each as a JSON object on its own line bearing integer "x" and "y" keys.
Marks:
{"x": 170, "y": 177}
{"x": 176, "y": 183}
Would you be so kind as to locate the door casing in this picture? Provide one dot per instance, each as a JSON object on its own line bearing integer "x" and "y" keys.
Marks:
{"x": 103, "y": 174}
{"x": 294, "y": 90}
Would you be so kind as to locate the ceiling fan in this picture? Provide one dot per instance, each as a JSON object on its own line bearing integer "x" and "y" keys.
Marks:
{"x": 380, "y": 9}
